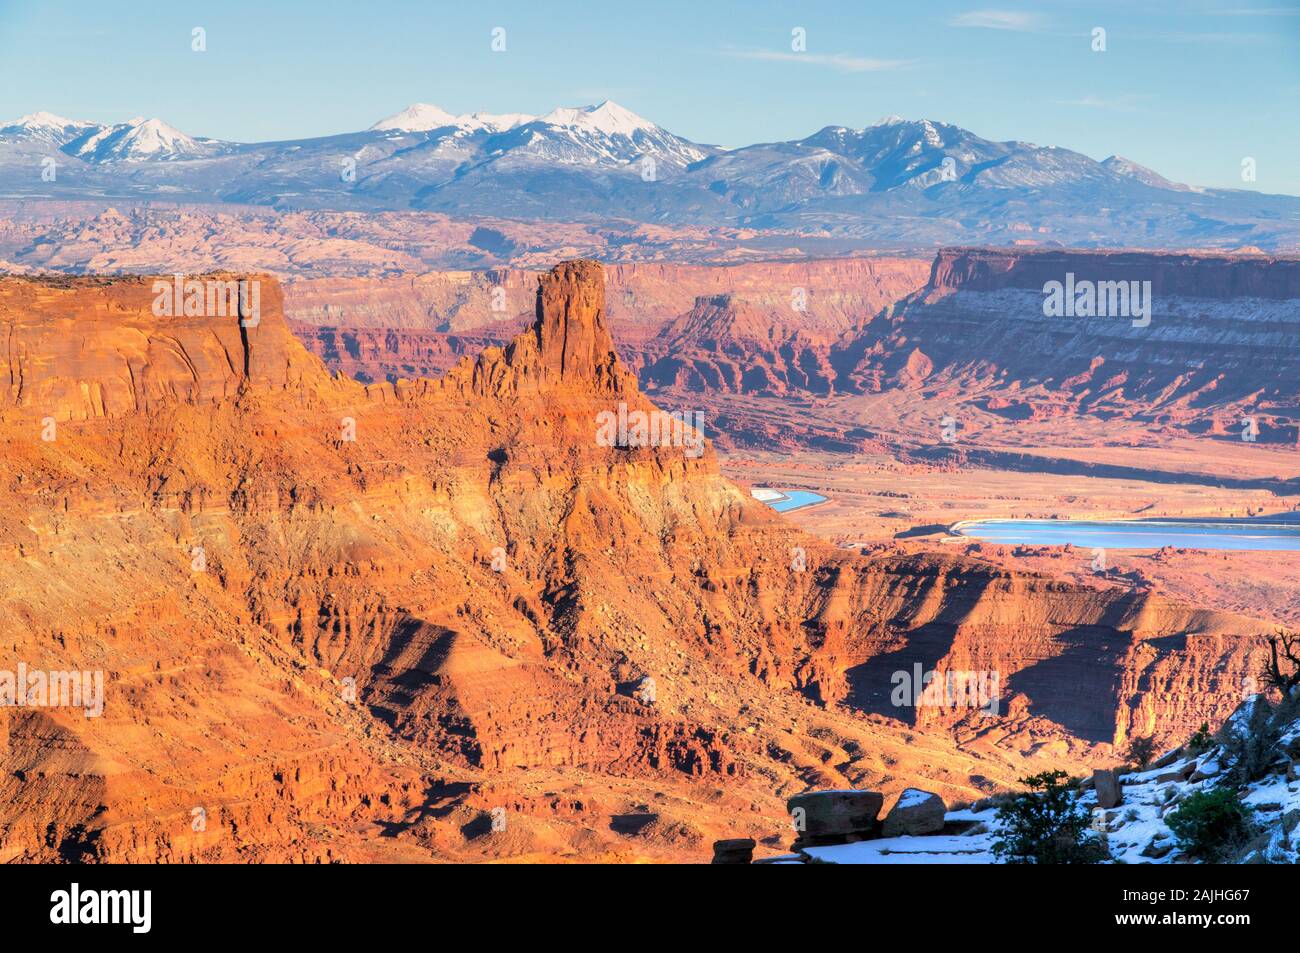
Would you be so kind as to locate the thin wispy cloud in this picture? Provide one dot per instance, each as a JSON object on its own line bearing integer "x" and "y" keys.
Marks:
{"x": 1261, "y": 12}
{"x": 1017, "y": 21}
{"x": 1213, "y": 39}
{"x": 1118, "y": 103}
{"x": 837, "y": 61}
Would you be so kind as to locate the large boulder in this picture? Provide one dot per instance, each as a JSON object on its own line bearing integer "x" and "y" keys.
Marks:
{"x": 1168, "y": 758}
{"x": 1106, "y": 783}
{"x": 735, "y": 850}
{"x": 1158, "y": 847}
{"x": 835, "y": 817}
{"x": 1176, "y": 775}
{"x": 915, "y": 812}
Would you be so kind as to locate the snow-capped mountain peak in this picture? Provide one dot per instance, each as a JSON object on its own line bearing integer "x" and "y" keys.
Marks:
{"x": 136, "y": 140}
{"x": 607, "y": 118}
{"x": 1132, "y": 170}
{"x": 425, "y": 117}
{"x": 418, "y": 117}
{"x": 46, "y": 127}
{"x": 44, "y": 120}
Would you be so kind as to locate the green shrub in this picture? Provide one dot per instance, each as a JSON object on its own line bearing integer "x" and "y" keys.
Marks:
{"x": 1211, "y": 825}
{"x": 1046, "y": 825}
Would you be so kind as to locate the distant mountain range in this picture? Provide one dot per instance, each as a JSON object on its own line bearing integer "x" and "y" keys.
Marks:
{"x": 896, "y": 182}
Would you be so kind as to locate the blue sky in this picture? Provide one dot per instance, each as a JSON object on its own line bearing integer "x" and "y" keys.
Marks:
{"x": 1189, "y": 87}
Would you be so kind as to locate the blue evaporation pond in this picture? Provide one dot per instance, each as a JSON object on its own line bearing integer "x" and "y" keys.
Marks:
{"x": 1138, "y": 534}
{"x": 794, "y": 500}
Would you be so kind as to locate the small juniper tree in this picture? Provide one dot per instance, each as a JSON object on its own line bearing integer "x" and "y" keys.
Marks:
{"x": 1141, "y": 751}
{"x": 1201, "y": 741}
{"x": 1283, "y": 671}
{"x": 1046, "y": 825}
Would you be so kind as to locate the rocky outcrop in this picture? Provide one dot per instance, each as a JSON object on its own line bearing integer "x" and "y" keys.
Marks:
{"x": 1215, "y": 358}
{"x": 1257, "y": 827}
{"x": 568, "y": 347}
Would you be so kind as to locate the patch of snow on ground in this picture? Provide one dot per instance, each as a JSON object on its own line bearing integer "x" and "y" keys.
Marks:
{"x": 1135, "y": 830}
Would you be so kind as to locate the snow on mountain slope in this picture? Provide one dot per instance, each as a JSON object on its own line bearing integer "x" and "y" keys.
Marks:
{"x": 1127, "y": 167}
{"x": 139, "y": 140}
{"x": 605, "y": 134}
{"x": 425, "y": 117}
{"x": 498, "y": 122}
{"x": 607, "y": 118}
{"x": 46, "y": 127}
{"x": 922, "y": 153}
{"x": 418, "y": 117}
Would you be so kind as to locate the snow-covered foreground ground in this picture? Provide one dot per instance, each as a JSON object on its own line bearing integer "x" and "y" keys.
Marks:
{"x": 1135, "y": 830}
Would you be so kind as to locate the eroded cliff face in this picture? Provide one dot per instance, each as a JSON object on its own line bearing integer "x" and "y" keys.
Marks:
{"x": 1216, "y": 340}
{"x": 723, "y": 345}
{"x": 1219, "y": 337}
{"x": 791, "y": 312}
{"x": 371, "y": 355}
{"x": 346, "y": 622}
{"x": 82, "y": 348}
{"x": 830, "y": 294}
{"x": 1213, "y": 277}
